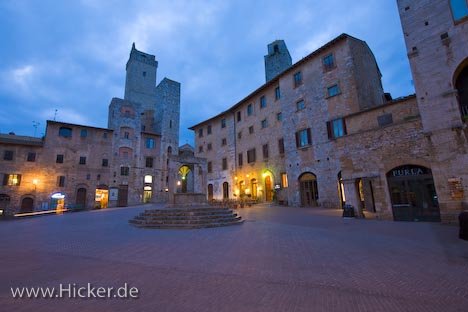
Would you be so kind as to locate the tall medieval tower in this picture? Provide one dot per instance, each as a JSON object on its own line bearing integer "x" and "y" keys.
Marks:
{"x": 146, "y": 131}
{"x": 140, "y": 82}
{"x": 277, "y": 60}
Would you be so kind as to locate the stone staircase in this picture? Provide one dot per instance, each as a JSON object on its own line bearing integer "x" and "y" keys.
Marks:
{"x": 186, "y": 218}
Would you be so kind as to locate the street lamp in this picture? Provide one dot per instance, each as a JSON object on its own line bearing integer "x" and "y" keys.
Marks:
{"x": 34, "y": 182}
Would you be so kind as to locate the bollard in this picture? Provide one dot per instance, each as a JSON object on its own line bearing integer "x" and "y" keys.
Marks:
{"x": 463, "y": 219}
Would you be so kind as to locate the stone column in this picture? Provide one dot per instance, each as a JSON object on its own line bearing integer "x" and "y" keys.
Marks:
{"x": 352, "y": 197}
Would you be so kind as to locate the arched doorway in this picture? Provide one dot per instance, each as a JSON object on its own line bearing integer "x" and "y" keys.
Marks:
{"x": 81, "y": 197}
{"x": 225, "y": 190}
{"x": 186, "y": 179}
{"x": 102, "y": 197}
{"x": 147, "y": 194}
{"x": 413, "y": 194}
{"x": 308, "y": 189}
{"x": 210, "y": 192}
{"x": 268, "y": 188}
{"x": 253, "y": 187}
{"x": 4, "y": 204}
{"x": 241, "y": 189}
{"x": 461, "y": 84}
{"x": 27, "y": 205}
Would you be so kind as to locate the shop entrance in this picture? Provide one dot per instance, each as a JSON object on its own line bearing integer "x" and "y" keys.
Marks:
{"x": 122, "y": 199}
{"x": 308, "y": 189}
{"x": 147, "y": 194}
{"x": 268, "y": 189}
{"x": 413, "y": 194}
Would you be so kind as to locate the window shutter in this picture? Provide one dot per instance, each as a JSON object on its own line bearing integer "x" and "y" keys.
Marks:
{"x": 345, "y": 131}
{"x": 5, "y": 179}
{"x": 19, "y": 180}
{"x": 297, "y": 139}
{"x": 309, "y": 136}
{"x": 329, "y": 130}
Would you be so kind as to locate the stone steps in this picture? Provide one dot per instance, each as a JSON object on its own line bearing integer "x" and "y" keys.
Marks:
{"x": 186, "y": 218}
{"x": 176, "y": 218}
{"x": 188, "y": 213}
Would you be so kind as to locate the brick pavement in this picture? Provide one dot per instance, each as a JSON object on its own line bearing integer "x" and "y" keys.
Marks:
{"x": 280, "y": 259}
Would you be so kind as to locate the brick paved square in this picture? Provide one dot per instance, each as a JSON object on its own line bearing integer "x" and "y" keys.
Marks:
{"x": 280, "y": 259}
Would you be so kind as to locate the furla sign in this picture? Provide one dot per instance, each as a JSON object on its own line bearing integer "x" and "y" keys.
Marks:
{"x": 405, "y": 171}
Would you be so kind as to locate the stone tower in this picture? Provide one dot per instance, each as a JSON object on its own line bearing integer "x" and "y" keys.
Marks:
{"x": 146, "y": 130}
{"x": 277, "y": 60}
{"x": 167, "y": 119}
{"x": 140, "y": 82}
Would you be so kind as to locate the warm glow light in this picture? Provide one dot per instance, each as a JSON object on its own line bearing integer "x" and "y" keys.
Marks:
{"x": 58, "y": 196}
{"x": 35, "y": 181}
{"x": 247, "y": 175}
{"x": 183, "y": 178}
{"x": 235, "y": 178}
{"x": 264, "y": 174}
{"x": 25, "y": 214}
{"x": 178, "y": 183}
{"x": 166, "y": 190}
{"x": 148, "y": 179}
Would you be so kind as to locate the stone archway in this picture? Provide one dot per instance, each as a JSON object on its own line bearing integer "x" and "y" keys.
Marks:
{"x": 413, "y": 194}
{"x": 461, "y": 84}
{"x": 27, "y": 205}
{"x": 210, "y": 192}
{"x": 186, "y": 179}
{"x": 81, "y": 197}
{"x": 308, "y": 189}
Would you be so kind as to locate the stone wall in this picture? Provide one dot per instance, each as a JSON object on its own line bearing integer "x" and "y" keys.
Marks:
{"x": 437, "y": 52}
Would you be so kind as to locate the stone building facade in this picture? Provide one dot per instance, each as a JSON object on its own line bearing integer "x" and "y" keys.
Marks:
{"x": 77, "y": 166}
{"x": 279, "y": 131}
{"x": 68, "y": 165}
{"x": 436, "y": 35}
{"x": 324, "y": 133}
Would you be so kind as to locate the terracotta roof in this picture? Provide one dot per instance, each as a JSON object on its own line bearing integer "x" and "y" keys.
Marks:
{"x": 20, "y": 140}
{"x": 75, "y": 125}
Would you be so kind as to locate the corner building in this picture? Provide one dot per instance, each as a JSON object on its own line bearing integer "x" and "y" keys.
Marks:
{"x": 322, "y": 132}
{"x": 78, "y": 166}
{"x": 275, "y": 141}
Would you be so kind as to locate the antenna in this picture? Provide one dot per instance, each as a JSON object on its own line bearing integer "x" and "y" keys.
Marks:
{"x": 55, "y": 114}
{"x": 35, "y": 124}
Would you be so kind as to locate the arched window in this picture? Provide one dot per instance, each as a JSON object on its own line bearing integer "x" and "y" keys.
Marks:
{"x": 459, "y": 9}
{"x": 461, "y": 84}
{"x": 169, "y": 150}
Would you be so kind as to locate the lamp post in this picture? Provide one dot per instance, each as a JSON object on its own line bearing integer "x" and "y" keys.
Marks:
{"x": 34, "y": 182}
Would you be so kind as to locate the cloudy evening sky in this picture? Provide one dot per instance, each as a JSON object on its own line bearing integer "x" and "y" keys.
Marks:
{"x": 71, "y": 55}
